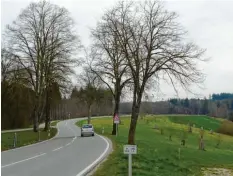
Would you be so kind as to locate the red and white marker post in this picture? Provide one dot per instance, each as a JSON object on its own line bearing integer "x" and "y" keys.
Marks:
{"x": 116, "y": 120}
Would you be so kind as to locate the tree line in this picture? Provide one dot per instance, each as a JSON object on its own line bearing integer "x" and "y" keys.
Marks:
{"x": 40, "y": 46}
{"x": 134, "y": 45}
{"x": 222, "y": 96}
{"x": 220, "y": 109}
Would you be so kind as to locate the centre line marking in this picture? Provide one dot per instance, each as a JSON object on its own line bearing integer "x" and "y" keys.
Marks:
{"x": 23, "y": 160}
{"x": 57, "y": 148}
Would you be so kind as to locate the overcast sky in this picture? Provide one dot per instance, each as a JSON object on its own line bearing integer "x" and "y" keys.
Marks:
{"x": 209, "y": 23}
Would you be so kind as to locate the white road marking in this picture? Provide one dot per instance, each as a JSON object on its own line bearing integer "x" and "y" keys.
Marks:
{"x": 68, "y": 144}
{"x": 23, "y": 160}
{"x": 97, "y": 160}
{"x": 74, "y": 134}
{"x": 58, "y": 130}
{"x": 72, "y": 139}
{"x": 40, "y": 143}
{"x": 58, "y": 148}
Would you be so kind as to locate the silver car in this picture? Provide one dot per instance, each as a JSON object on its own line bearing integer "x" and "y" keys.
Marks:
{"x": 87, "y": 130}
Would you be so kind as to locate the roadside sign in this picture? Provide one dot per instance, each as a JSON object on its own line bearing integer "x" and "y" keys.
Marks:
{"x": 116, "y": 119}
{"x": 130, "y": 149}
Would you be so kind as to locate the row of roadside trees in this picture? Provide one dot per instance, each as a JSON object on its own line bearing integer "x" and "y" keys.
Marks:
{"x": 134, "y": 45}
{"x": 39, "y": 48}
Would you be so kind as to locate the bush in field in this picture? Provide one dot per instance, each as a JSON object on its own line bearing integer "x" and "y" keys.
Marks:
{"x": 226, "y": 128}
{"x": 142, "y": 115}
{"x": 183, "y": 137}
{"x": 189, "y": 127}
{"x": 219, "y": 140}
{"x": 161, "y": 131}
{"x": 231, "y": 116}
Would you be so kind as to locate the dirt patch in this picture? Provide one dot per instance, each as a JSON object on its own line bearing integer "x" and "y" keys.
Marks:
{"x": 217, "y": 172}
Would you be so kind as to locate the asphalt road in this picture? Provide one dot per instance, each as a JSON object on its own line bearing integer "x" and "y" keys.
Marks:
{"x": 67, "y": 154}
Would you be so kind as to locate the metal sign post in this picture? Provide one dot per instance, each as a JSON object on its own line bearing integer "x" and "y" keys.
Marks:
{"x": 130, "y": 164}
{"x": 130, "y": 149}
{"x": 116, "y": 129}
{"x": 116, "y": 121}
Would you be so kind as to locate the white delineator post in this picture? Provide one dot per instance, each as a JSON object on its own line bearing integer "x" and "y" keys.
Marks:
{"x": 130, "y": 149}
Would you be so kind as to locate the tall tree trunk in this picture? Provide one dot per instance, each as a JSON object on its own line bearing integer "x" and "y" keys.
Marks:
{"x": 133, "y": 123}
{"x": 35, "y": 115}
{"x": 47, "y": 110}
{"x": 135, "y": 113}
{"x": 35, "y": 120}
{"x": 116, "y": 111}
{"x": 89, "y": 115}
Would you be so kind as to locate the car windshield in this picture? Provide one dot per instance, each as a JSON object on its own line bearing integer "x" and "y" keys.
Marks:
{"x": 87, "y": 126}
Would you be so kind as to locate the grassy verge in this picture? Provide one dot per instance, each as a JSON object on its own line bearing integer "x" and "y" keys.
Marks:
{"x": 157, "y": 155}
{"x": 24, "y": 138}
{"x": 54, "y": 123}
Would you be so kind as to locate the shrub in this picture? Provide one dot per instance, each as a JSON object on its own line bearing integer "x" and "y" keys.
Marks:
{"x": 226, "y": 128}
{"x": 231, "y": 116}
{"x": 219, "y": 140}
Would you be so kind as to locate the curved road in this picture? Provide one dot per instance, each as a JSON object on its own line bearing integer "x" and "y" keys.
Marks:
{"x": 67, "y": 154}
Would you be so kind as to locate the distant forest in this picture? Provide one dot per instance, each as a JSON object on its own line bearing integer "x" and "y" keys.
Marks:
{"x": 17, "y": 106}
{"x": 222, "y": 96}
{"x": 217, "y": 105}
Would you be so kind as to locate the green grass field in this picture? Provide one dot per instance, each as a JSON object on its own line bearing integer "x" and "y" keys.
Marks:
{"x": 24, "y": 138}
{"x": 199, "y": 121}
{"x": 157, "y": 155}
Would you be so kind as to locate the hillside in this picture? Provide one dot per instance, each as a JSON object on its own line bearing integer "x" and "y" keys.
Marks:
{"x": 158, "y": 154}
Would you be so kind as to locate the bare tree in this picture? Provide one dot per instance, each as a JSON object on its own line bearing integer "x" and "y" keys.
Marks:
{"x": 7, "y": 64}
{"x": 153, "y": 44}
{"x": 88, "y": 92}
{"x": 44, "y": 41}
{"x": 108, "y": 63}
